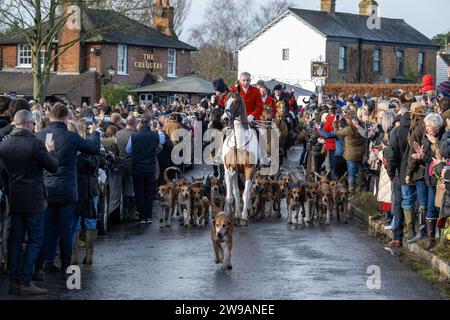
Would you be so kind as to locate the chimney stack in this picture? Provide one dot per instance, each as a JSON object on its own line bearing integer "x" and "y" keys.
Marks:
{"x": 163, "y": 15}
{"x": 365, "y": 7}
{"x": 328, "y": 6}
{"x": 69, "y": 61}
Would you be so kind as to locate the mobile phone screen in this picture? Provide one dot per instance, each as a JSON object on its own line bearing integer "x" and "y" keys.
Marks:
{"x": 49, "y": 138}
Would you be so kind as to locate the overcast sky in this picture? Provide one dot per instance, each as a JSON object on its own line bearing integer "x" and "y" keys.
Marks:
{"x": 430, "y": 17}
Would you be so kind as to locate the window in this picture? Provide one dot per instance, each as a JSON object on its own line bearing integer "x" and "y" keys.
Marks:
{"x": 377, "y": 61}
{"x": 421, "y": 65}
{"x": 342, "y": 58}
{"x": 146, "y": 98}
{"x": 24, "y": 56}
{"x": 172, "y": 63}
{"x": 400, "y": 62}
{"x": 122, "y": 59}
{"x": 285, "y": 54}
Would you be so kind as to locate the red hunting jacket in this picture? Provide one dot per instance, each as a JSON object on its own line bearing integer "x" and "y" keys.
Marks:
{"x": 252, "y": 99}
{"x": 221, "y": 101}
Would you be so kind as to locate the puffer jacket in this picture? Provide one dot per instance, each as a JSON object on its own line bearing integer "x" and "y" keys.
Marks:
{"x": 62, "y": 185}
{"x": 330, "y": 143}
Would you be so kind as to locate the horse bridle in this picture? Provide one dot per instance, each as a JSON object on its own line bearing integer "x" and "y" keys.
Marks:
{"x": 233, "y": 117}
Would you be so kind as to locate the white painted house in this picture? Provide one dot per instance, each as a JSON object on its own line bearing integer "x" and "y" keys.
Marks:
{"x": 284, "y": 49}
{"x": 442, "y": 68}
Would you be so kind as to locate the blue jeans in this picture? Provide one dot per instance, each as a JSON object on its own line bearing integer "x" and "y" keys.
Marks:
{"x": 90, "y": 223}
{"x": 352, "y": 168}
{"x": 58, "y": 220}
{"x": 397, "y": 210}
{"x": 303, "y": 155}
{"x": 409, "y": 197}
{"x": 432, "y": 211}
{"x": 31, "y": 224}
{"x": 411, "y": 193}
{"x": 422, "y": 192}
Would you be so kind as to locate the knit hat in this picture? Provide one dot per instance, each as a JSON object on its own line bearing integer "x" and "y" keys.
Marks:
{"x": 444, "y": 89}
{"x": 219, "y": 85}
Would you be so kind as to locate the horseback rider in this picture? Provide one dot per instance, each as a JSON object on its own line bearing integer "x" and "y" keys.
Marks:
{"x": 280, "y": 95}
{"x": 221, "y": 96}
{"x": 267, "y": 100}
{"x": 250, "y": 95}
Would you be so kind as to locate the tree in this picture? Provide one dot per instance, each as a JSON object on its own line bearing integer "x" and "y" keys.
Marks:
{"x": 442, "y": 39}
{"x": 227, "y": 24}
{"x": 269, "y": 11}
{"x": 41, "y": 22}
{"x": 141, "y": 10}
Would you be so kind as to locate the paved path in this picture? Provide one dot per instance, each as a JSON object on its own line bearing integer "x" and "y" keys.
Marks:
{"x": 270, "y": 261}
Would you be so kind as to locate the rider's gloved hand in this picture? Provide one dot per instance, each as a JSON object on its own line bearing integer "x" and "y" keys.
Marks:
{"x": 250, "y": 118}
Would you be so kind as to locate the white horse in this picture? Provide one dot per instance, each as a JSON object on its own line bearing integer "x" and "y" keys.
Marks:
{"x": 240, "y": 150}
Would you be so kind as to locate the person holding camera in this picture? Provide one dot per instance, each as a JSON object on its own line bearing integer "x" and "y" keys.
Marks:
{"x": 25, "y": 158}
{"x": 62, "y": 188}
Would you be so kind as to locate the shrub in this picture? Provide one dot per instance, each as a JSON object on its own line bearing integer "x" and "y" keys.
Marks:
{"x": 114, "y": 93}
{"x": 374, "y": 90}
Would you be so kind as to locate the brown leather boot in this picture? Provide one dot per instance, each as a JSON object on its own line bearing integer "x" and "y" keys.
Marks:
{"x": 431, "y": 230}
{"x": 91, "y": 236}
{"x": 31, "y": 290}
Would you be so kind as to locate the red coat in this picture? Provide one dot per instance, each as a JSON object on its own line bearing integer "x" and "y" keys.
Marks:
{"x": 271, "y": 102}
{"x": 330, "y": 144}
{"x": 221, "y": 101}
{"x": 252, "y": 99}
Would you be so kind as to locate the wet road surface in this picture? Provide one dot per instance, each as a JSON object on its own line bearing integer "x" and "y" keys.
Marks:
{"x": 270, "y": 261}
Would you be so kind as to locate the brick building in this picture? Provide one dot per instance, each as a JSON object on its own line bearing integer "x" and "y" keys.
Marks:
{"x": 284, "y": 49}
{"x": 137, "y": 54}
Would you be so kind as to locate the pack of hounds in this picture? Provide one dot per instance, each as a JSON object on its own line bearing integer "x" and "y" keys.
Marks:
{"x": 308, "y": 200}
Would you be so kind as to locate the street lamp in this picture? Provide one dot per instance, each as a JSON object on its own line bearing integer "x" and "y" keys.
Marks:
{"x": 111, "y": 71}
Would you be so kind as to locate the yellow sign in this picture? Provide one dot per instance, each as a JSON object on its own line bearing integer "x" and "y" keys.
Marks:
{"x": 148, "y": 63}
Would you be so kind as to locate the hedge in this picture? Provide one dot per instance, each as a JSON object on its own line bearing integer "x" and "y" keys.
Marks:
{"x": 374, "y": 90}
{"x": 115, "y": 93}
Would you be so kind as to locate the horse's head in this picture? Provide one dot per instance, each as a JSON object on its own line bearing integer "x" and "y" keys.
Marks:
{"x": 235, "y": 110}
{"x": 280, "y": 107}
{"x": 266, "y": 114}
